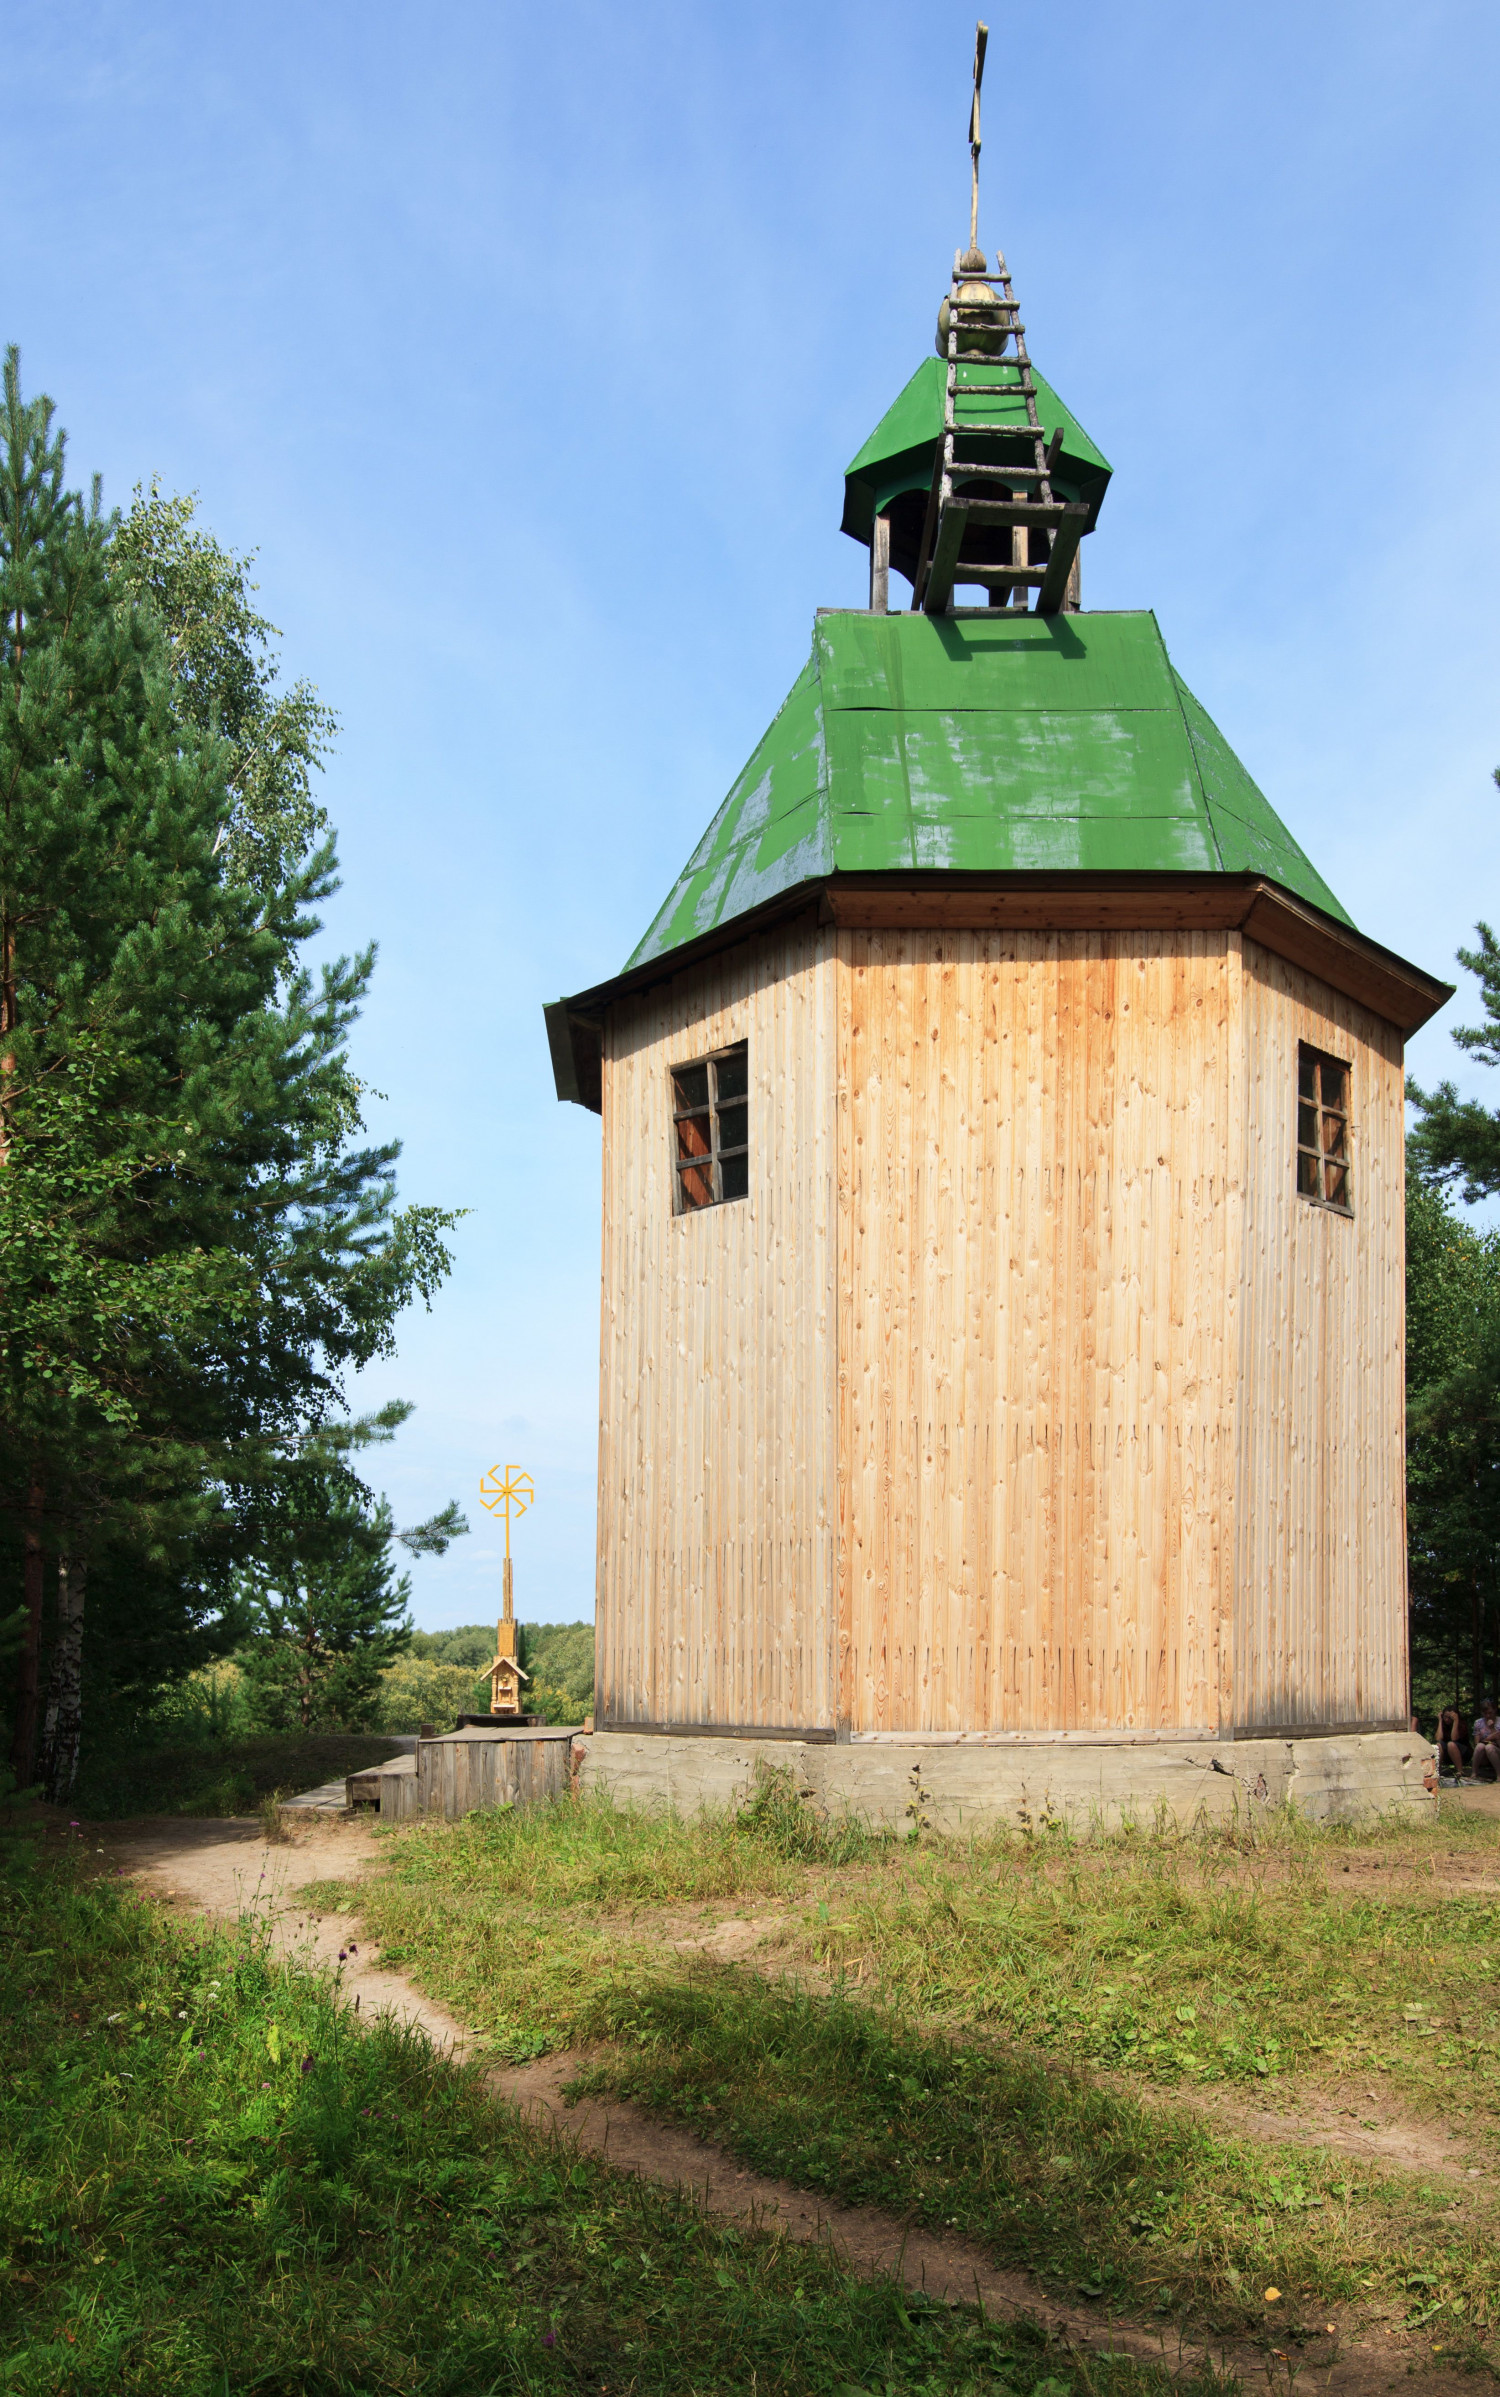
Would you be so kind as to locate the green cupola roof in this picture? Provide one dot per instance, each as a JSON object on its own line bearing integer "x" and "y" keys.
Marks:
{"x": 989, "y": 742}
{"x": 892, "y": 473}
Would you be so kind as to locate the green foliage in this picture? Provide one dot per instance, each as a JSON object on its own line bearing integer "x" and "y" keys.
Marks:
{"x": 212, "y": 2177}
{"x": 471, "y": 1645}
{"x": 775, "y": 1817}
{"x": 418, "y": 1689}
{"x": 327, "y": 1616}
{"x": 195, "y": 1242}
{"x": 114, "y": 928}
{"x": 86, "y": 1317}
{"x": 1453, "y": 1448}
{"x": 1458, "y": 1140}
{"x": 558, "y": 1656}
{"x": 225, "y": 676}
{"x": 1453, "y": 1372}
{"x": 561, "y": 1655}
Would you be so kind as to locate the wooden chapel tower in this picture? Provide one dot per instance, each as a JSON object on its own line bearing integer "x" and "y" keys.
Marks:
{"x": 1003, "y": 1270}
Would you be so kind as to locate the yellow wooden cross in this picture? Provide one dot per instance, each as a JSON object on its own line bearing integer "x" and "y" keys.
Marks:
{"x": 507, "y": 1491}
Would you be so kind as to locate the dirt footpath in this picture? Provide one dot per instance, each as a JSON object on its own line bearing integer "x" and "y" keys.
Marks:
{"x": 226, "y": 1869}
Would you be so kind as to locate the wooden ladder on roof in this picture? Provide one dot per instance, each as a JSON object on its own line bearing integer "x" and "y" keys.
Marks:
{"x": 1023, "y": 500}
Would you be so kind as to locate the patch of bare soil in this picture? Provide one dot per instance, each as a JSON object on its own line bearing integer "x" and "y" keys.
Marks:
{"x": 225, "y": 1869}
{"x": 1347, "y": 2123}
{"x": 735, "y": 1941}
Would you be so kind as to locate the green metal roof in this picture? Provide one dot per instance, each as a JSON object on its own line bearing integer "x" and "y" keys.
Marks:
{"x": 989, "y": 742}
{"x": 899, "y": 453}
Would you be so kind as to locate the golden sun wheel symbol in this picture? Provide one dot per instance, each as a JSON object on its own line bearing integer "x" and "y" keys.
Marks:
{"x": 507, "y": 1491}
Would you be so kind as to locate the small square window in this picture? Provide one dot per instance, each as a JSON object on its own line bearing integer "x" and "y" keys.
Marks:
{"x": 711, "y": 1129}
{"x": 1323, "y": 1164}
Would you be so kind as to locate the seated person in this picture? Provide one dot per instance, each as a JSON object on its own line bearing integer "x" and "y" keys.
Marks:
{"x": 1452, "y": 1741}
{"x": 1486, "y": 1742}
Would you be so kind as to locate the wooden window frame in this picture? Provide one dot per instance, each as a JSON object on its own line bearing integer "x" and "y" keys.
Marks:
{"x": 1324, "y": 1157}
{"x": 690, "y": 1165}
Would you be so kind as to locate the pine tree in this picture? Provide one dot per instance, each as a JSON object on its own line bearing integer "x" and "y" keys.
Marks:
{"x": 1453, "y": 1367}
{"x": 1453, "y": 1448}
{"x": 193, "y": 1243}
{"x": 1458, "y": 1140}
{"x": 326, "y": 1614}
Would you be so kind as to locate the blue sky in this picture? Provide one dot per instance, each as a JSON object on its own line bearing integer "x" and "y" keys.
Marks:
{"x": 528, "y": 346}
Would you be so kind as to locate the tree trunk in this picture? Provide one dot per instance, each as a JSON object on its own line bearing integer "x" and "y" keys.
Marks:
{"x": 28, "y": 1679}
{"x": 1476, "y": 1642}
{"x": 64, "y": 1723}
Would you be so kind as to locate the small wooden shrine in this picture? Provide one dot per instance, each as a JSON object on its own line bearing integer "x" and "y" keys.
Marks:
{"x": 506, "y": 1676}
{"x": 1003, "y": 1160}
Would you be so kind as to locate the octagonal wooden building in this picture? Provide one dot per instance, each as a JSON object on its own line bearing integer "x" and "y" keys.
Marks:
{"x": 1002, "y": 1173}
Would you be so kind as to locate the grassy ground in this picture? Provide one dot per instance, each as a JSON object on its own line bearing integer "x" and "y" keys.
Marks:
{"x": 217, "y": 1776}
{"x": 212, "y": 2180}
{"x": 992, "y": 2034}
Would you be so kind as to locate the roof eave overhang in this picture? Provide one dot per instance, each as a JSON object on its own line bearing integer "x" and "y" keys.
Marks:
{"x": 1398, "y": 992}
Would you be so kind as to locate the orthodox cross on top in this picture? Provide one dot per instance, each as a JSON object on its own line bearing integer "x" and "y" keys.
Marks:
{"x": 975, "y": 260}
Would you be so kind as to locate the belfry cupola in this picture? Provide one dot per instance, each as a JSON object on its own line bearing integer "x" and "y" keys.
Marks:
{"x": 978, "y": 476}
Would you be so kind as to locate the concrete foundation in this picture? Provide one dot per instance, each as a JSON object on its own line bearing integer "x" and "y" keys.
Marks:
{"x": 1016, "y": 1784}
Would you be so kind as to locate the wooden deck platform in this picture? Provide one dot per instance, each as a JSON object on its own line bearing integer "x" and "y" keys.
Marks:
{"x": 468, "y": 1770}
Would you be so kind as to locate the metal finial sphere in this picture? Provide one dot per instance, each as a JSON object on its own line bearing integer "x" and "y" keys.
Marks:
{"x": 988, "y": 339}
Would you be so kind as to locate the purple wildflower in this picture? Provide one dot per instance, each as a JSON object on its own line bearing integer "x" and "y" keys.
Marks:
{"x": 549, "y": 2338}
{"x": 307, "y": 2064}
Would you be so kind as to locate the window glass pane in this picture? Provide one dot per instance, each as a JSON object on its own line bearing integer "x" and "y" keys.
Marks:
{"x": 690, "y": 1082}
{"x": 1333, "y": 1136}
{"x": 1336, "y": 1184}
{"x": 1307, "y": 1127}
{"x": 1307, "y": 1174}
{"x": 733, "y": 1073}
{"x": 692, "y": 1136}
{"x": 1307, "y": 1070}
{"x": 734, "y": 1126}
{"x": 1333, "y": 1083}
{"x": 696, "y": 1185}
{"x": 734, "y": 1174}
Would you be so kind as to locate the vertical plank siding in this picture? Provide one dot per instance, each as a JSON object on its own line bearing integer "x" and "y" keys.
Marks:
{"x": 455, "y": 1776}
{"x": 716, "y": 1455}
{"x": 1022, "y": 1393}
{"x": 1039, "y": 1201}
{"x": 1320, "y": 1628}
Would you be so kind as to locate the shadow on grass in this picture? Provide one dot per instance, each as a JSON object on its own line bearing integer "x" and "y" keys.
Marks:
{"x": 210, "y": 2177}
{"x": 217, "y": 1776}
{"x": 1085, "y": 2185}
